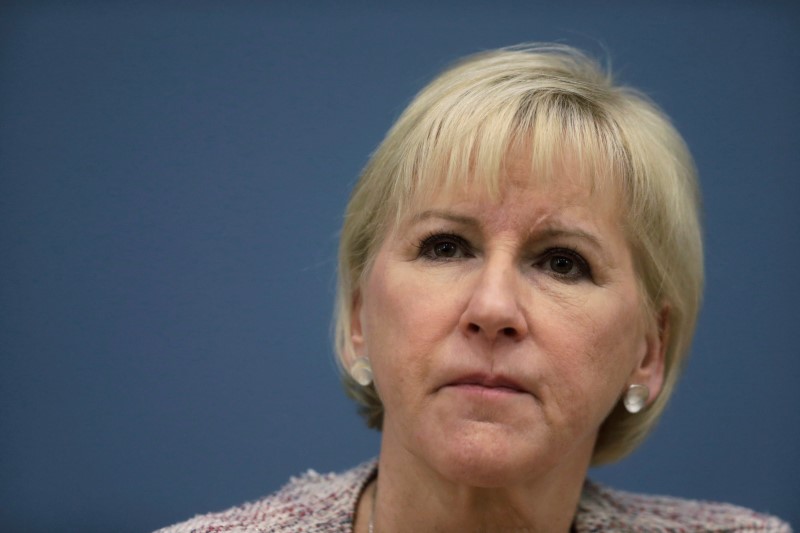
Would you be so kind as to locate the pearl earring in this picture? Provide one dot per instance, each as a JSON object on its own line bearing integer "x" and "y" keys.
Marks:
{"x": 361, "y": 371}
{"x": 635, "y": 398}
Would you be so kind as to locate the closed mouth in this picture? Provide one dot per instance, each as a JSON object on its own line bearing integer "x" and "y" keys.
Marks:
{"x": 499, "y": 383}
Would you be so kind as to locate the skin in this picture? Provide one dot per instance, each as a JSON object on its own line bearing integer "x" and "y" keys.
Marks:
{"x": 501, "y": 333}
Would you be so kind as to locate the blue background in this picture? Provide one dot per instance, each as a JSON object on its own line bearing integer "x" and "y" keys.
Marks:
{"x": 172, "y": 178}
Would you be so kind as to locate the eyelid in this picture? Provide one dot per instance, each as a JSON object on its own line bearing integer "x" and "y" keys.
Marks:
{"x": 436, "y": 237}
{"x": 582, "y": 264}
{"x": 425, "y": 250}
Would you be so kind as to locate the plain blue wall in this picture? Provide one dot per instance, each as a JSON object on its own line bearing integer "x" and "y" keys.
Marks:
{"x": 172, "y": 181}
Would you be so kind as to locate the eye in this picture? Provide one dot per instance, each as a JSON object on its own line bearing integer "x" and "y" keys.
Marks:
{"x": 566, "y": 264}
{"x": 444, "y": 246}
{"x": 561, "y": 264}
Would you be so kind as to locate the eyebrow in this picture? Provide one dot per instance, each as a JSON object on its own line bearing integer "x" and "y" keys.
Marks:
{"x": 551, "y": 231}
{"x": 556, "y": 232}
{"x": 446, "y": 215}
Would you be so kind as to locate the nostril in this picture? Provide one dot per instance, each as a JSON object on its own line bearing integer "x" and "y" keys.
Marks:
{"x": 509, "y": 332}
{"x": 474, "y": 328}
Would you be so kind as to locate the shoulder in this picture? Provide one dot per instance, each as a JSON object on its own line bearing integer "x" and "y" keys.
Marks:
{"x": 311, "y": 502}
{"x": 605, "y": 509}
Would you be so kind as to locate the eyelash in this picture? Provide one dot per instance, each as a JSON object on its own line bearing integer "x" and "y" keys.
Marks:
{"x": 583, "y": 267}
{"x": 426, "y": 247}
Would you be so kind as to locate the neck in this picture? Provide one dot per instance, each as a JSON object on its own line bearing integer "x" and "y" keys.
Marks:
{"x": 408, "y": 495}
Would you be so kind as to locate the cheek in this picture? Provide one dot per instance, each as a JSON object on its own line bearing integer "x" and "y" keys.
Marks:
{"x": 592, "y": 348}
{"x": 405, "y": 318}
{"x": 393, "y": 309}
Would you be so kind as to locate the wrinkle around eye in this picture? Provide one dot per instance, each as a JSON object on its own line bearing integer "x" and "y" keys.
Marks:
{"x": 580, "y": 268}
{"x": 444, "y": 247}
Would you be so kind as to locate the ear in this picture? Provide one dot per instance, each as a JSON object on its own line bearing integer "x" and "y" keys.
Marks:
{"x": 356, "y": 326}
{"x": 650, "y": 369}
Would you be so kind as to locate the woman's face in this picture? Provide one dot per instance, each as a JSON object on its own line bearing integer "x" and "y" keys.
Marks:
{"x": 502, "y": 332}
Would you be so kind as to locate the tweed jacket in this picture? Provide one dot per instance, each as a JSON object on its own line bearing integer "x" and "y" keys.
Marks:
{"x": 326, "y": 503}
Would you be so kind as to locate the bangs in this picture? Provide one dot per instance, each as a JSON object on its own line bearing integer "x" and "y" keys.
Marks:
{"x": 468, "y": 143}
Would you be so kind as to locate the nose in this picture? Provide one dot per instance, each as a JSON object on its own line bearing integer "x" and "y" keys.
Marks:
{"x": 494, "y": 310}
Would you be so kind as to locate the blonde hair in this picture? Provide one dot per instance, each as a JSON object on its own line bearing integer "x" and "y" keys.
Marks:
{"x": 555, "y": 103}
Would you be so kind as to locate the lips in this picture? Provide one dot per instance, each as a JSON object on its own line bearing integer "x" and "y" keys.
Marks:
{"x": 498, "y": 383}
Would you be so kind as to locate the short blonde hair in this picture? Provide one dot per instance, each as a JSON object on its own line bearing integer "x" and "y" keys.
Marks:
{"x": 554, "y": 102}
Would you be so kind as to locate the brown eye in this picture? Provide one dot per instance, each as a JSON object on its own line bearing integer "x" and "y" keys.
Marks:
{"x": 561, "y": 265}
{"x": 565, "y": 264}
{"x": 443, "y": 247}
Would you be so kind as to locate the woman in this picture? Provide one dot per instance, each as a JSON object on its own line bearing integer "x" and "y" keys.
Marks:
{"x": 520, "y": 274}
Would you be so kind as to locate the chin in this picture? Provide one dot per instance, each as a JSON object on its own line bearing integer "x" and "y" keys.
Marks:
{"x": 483, "y": 456}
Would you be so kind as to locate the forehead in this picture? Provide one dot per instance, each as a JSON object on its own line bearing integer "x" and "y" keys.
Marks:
{"x": 524, "y": 188}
